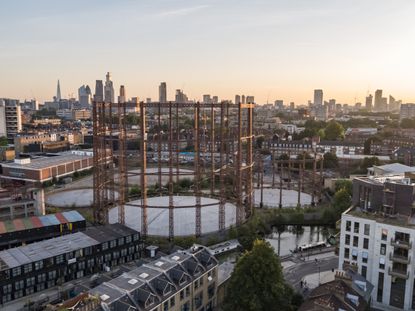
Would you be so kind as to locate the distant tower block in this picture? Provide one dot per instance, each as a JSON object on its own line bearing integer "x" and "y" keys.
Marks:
{"x": 58, "y": 92}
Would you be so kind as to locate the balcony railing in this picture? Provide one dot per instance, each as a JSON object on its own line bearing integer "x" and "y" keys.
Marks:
{"x": 401, "y": 259}
{"x": 401, "y": 243}
{"x": 398, "y": 273}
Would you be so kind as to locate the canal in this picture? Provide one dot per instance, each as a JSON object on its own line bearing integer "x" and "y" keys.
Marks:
{"x": 289, "y": 238}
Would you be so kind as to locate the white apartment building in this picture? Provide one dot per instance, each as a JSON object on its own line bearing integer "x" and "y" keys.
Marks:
{"x": 377, "y": 235}
{"x": 10, "y": 117}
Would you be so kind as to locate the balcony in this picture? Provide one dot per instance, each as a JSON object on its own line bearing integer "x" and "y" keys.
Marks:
{"x": 401, "y": 243}
{"x": 398, "y": 273}
{"x": 400, "y": 259}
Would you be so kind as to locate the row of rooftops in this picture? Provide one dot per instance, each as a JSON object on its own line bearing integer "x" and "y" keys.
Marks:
{"x": 150, "y": 284}
{"x": 20, "y": 224}
{"x": 43, "y": 162}
{"x": 92, "y": 236}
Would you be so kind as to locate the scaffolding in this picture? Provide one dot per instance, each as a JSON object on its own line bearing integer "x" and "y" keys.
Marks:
{"x": 216, "y": 137}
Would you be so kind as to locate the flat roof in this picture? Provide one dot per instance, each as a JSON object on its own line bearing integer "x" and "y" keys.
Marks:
{"x": 92, "y": 236}
{"x": 45, "y": 162}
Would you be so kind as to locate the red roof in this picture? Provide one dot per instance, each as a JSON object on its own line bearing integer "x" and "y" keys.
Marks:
{"x": 18, "y": 224}
{"x": 36, "y": 222}
{"x": 61, "y": 218}
{"x": 2, "y": 228}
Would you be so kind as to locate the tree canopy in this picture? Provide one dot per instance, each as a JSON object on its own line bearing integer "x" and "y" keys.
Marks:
{"x": 330, "y": 160}
{"x": 257, "y": 283}
{"x": 334, "y": 131}
{"x": 3, "y": 141}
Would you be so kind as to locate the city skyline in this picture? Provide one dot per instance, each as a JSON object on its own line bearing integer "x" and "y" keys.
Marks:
{"x": 270, "y": 49}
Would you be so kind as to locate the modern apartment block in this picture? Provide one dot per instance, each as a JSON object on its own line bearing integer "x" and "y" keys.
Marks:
{"x": 183, "y": 281}
{"x": 10, "y": 117}
{"x": 377, "y": 235}
{"x": 38, "y": 266}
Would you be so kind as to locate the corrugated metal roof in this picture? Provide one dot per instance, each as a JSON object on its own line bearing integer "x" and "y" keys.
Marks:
{"x": 18, "y": 224}
{"x": 36, "y": 222}
{"x": 61, "y": 218}
{"x": 73, "y": 216}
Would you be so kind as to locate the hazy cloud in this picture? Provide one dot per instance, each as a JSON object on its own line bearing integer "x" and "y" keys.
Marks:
{"x": 182, "y": 11}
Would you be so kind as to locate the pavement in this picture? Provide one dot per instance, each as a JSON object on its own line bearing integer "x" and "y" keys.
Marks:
{"x": 310, "y": 269}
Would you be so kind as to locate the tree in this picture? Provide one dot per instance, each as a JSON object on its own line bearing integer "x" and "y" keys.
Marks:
{"x": 344, "y": 184}
{"x": 257, "y": 283}
{"x": 330, "y": 160}
{"x": 3, "y": 141}
{"x": 334, "y": 131}
{"x": 342, "y": 200}
{"x": 368, "y": 162}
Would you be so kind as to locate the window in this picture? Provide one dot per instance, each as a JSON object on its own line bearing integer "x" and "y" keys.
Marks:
{"x": 185, "y": 307}
{"x": 113, "y": 243}
{"x": 104, "y": 246}
{"x": 211, "y": 290}
{"x": 381, "y": 263}
{"x": 355, "y": 241}
{"x": 365, "y": 255}
{"x": 172, "y": 302}
{"x": 40, "y": 287}
{"x": 38, "y": 265}
{"x": 135, "y": 237}
{"x": 7, "y": 288}
{"x": 356, "y": 227}
{"x": 347, "y": 239}
{"x": 18, "y": 294}
{"x": 19, "y": 285}
{"x": 364, "y": 271}
{"x": 187, "y": 291}
{"x": 30, "y": 290}
{"x": 198, "y": 301}
{"x": 383, "y": 249}
{"x": 16, "y": 271}
{"x": 27, "y": 268}
{"x": 346, "y": 253}
{"x": 120, "y": 241}
{"x": 182, "y": 295}
{"x": 128, "y": 239}
{"x": 166, "y": 306}
{"x": 367, "y": 229}
{"x": 348, "y": 225}
{"x": 384, "y": 234}
{"x": 354, "y": 254}
{"x": 365, "y": 243}
{"x": 30, "y": 281}
{"x": 6, "y": 298}
{"x": 380, "y": 287}
{"x": 41, "y": 278}
{"x": 59, "y": 259}
{"x": 52, "y": 275}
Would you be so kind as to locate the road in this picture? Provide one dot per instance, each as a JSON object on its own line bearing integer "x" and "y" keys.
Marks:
{"x": 299, "y": 269}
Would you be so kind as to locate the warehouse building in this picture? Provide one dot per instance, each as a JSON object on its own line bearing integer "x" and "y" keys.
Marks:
{"x": 44, "y": 168}
{"x": 21, "y": 231}
{"x": 38, "y": 266}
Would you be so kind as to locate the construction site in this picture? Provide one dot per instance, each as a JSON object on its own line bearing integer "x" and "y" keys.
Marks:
{"x": 192, "y": 172}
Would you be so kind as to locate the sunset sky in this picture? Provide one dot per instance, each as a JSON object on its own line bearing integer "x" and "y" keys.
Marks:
{"x": 267, "y": 48}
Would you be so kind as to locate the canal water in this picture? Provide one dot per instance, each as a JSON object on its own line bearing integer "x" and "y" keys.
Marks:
{"x": 289, "y": 238}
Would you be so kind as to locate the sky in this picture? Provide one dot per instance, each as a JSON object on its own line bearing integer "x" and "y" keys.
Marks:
{"x": 271, "y": 49}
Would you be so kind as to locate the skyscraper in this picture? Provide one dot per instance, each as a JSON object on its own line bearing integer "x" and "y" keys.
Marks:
{"x": 99, "y": 91}
{"x": 109, "y": 89}
{"x": 84, "y": 95}
{"x": 207, "y": 99}
{"x": 237, "y": 99}
{"x": 378, "y": 101}
{"x": 369, "y": 103}
{"x": 58, "y": 92}
{"x": 318, "y": 97}
{"x": 122, "y": 98}
{"x": 163, "y": 92}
